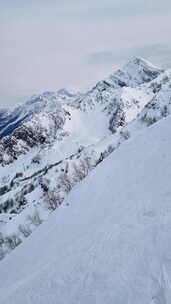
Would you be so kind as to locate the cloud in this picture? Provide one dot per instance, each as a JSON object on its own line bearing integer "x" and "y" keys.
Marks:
{"x": 157, "y": 53}
{"x": 102, "y": 58}
{"x": 46, "y": 45}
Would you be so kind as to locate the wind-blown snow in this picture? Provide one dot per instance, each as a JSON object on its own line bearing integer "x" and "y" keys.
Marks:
{"x": 112, "y": 244}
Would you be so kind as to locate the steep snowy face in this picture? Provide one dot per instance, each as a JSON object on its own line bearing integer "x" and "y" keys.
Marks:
{"x": 36, "y": 122}
{"x": 157, "y": 108}
{"x": 160, "y": 105}
{"x": 48, "y": 102}
{"x": 137, "y": 71}
{"x": 120, "y": 96}
{"x": 42, "y": 129}
{"x": 107, "y": 244}
{"x": 9, "y": 121}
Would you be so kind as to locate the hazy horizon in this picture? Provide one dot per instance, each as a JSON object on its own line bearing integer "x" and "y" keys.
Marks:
{"x": 73, "y": 44}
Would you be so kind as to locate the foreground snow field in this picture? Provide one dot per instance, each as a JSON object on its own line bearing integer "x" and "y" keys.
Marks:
{"x": 111, "y": 241}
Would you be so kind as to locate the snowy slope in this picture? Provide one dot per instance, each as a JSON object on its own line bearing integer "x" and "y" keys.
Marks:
{"x": 112, "y": 243}
{"x": 157, "y": 108}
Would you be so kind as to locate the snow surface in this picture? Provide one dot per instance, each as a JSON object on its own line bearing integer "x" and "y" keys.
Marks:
{"x": 112, "y": 244}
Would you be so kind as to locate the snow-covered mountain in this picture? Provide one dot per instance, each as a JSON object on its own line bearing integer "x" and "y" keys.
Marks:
{"x": 53, "y": 141}
{"x": 135, "y": 72}
{"x": 111, "y": 103}
{"x": 110, "y": 241}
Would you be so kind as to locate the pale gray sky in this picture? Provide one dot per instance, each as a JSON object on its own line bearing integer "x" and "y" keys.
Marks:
{"x": 49, "y": 44}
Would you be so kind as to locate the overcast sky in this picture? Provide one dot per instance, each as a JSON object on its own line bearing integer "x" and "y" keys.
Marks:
{"x": 49, "y": 44}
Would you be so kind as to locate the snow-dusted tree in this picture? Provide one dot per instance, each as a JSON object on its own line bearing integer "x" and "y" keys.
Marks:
{"x": 1, "y": 239}
{"x": 25, "y": 230}
{"x": 36, "y": 159}
{"x": 65, "y": 182}
{"x": 12, "y": 241}
{"x": 125, "y": 134}
{"x": 1, "y": 246}
{"x": 2, "y": 253}
{"x": 53, "y": 199}
{"x": 35, "y": 219}
{"x": 81, "y": 169}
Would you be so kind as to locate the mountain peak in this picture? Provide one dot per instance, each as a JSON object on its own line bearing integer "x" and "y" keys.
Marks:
{"x": 65, "y": 92}
{"x": 141, "y": 62}
{"x": 135, "y": 72}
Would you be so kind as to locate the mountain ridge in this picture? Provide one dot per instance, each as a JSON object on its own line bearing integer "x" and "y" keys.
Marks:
{"x": 20, "y": 113}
